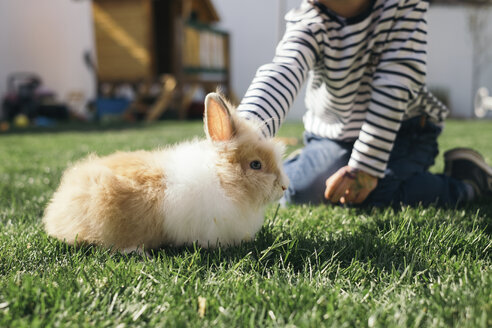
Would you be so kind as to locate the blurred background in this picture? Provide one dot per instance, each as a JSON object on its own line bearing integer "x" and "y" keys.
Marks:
{"x": 145, "y": 60}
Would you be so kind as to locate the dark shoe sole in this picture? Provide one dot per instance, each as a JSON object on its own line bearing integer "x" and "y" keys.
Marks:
{"x": 470, "y": 155}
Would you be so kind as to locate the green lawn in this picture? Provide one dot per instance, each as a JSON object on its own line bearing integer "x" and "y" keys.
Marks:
{"x": 309, "y": 266}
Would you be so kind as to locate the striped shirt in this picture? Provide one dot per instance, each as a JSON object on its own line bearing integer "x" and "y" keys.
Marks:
{"x": 365, "y": 76}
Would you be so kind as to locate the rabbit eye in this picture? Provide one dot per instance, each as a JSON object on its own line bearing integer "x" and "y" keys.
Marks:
{"x": 255, "y": 165}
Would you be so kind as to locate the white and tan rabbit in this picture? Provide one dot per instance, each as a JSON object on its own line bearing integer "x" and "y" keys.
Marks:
{"x": 210, "y": 191}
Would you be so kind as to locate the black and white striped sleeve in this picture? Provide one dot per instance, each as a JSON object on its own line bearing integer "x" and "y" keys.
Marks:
{"x": 398, "y": 77}
{"x": 276, "y": 85}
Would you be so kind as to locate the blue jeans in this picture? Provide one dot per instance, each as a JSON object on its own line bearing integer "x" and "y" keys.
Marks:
{"x": 407, "y": 180}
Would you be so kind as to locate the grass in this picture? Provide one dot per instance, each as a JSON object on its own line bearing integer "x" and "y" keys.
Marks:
{"x": 309, "y": 265}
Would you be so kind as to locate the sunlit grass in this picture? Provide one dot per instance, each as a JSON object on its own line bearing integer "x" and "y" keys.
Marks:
{"x": 309, "y": 266}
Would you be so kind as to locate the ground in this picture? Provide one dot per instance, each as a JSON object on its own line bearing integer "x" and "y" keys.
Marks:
{"x": 308, "y": 266}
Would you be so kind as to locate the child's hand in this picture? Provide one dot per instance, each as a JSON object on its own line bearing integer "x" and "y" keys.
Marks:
{"x": 349, "y": 186}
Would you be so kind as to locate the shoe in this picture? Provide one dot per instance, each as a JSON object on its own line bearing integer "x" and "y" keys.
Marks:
{"x": 470, "y": 167}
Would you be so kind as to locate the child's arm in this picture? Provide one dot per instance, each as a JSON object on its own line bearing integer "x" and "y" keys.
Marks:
{"x": 277, "y": 84}
{"x": 398, "y": 77}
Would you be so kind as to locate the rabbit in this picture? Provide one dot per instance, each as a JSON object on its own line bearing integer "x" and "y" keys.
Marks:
{"x": 211, "y": 191}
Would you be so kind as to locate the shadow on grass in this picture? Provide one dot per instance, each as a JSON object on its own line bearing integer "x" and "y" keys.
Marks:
{"x": 480, "y": 209}
{"x": 383, "y": 244}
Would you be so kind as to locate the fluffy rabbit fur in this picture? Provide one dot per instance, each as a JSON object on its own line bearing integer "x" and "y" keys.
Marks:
{"x": 209, "y": 191}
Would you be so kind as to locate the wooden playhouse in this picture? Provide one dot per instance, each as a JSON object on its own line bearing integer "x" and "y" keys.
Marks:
{"x": 171, "y": 41}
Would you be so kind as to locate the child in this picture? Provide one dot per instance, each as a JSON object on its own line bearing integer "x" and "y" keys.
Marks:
{"x": 371, "y": 125}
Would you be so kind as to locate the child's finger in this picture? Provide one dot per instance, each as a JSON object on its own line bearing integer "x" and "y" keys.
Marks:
{"x": 347, "y": 197}
{"x": 361, "y": 196}
{"x": 340, "y": 190}
{"x": 331, "y": 184}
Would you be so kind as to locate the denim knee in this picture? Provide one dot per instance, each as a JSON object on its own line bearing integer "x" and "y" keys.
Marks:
{"x": 308, "y": 171}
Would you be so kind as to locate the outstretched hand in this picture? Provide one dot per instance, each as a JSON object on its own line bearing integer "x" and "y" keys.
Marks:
{"x": 349, "y": 186}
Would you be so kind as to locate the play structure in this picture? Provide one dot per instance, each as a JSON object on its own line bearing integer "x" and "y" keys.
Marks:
{"x": 27, "y": 101}
{"x": 483, "y": 102}
{"x": 161, "y": 53}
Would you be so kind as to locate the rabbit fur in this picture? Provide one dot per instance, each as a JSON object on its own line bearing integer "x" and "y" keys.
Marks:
{"x": 207, "y": 191}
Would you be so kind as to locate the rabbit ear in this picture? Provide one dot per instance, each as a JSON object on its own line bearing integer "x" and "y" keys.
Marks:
{"x": 219, "y": 125}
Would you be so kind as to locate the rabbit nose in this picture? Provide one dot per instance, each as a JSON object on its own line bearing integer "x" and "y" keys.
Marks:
{"x": 284, "y": 188}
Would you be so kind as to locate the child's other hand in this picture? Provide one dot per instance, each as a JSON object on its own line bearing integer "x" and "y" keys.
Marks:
{"x": 349, "y": 186}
